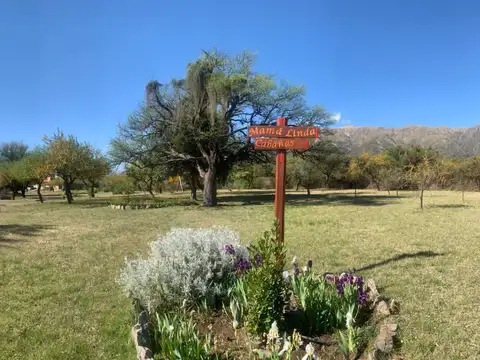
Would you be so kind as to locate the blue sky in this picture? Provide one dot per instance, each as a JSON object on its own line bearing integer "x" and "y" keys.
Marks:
{"x": 81, "y": 66}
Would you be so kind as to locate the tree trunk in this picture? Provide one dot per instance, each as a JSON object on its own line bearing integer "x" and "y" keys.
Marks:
{"x": 308, "y": 191}
{"x": 355, "y": 187}
{"x": 14, "y": 194}
{"x": 397, "y": 192}
{"x": 199, "y": 183}
{"x": 297, "y": 187}
{"x": 92, "y": 191}
{"x": 68, "y": 191}
{"x": 388, "y": 190}
{"x": 377, "y": 185}
{"x": 39, "y": 192}
{"x": 210, "y": 188}
{"x": 150, "y": 189}
{"x": 193, "y": 186}
{"x": 421, "y": 197}
{"x": 23, "y": 192}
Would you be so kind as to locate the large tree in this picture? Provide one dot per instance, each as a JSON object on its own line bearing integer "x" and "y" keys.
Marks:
{"x": 426, "y": 173}
{"x": 305, "y": 172}
{"x": 202, "y": 121}
{"x": 39, "y": 168}
{"x": 67, "y": 156}
{"x": 15, "y": 176}
{"x": 146, "y": 178}
{"x": 13, "y": 151}
{"x": 94, "y": 168}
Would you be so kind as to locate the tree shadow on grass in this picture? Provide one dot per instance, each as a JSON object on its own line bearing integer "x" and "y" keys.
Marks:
{"x": 404, "y": 256}
{"x": 15, "y": 233}
{"x": 448, "y": 206}
{"x": 305, "y": 199}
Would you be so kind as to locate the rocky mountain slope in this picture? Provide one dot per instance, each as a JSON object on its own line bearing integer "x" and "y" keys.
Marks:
{"x": 456, "y": 142}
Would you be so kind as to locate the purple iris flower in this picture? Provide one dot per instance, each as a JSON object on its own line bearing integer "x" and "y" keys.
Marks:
{"x": 358, "y": 281}
{"x": 296, "y": 271}
{"x": 361, "y": 297}
{"x": 229, "y": 249}
{"x": 243, "y": 265}
{"x": 340, "y": 288}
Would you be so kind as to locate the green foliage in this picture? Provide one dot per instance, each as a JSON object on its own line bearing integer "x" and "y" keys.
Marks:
{"x": 118, "y": 184}
{"x": 201, "y": 123}
{"x": 69, "y": 159}
{"x": 123, "y": 189}
{"x": 325, "y": 303}
{"x": 472, "y": 170}
{"x": 95, "y": 166}
{"x": 176, "y": 337}
{"x": 135, "y": 203}
{"x": 349, "y": 339}
{"x": 15, "y": 175}
{"x": 265, "y": 287}
{"x": 238, "y": 302}
{"x": 13, "y": 151}
{"x": 305, "y": 172}
{"x": 147, "y": 178}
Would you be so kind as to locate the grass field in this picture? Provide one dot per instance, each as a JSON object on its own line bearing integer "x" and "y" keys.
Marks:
{"x": 58, "y": 264}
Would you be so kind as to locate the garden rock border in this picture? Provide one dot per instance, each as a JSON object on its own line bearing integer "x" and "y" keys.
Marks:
{"x": 384, "y": 343}
{"x": 140, "y": 336}
{"x": 131, "y": 207}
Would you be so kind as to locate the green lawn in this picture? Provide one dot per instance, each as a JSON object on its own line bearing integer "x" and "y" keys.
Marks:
{"x": 58, "y": 263}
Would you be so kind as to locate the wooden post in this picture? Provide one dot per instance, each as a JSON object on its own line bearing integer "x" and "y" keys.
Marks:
{"x": 280, "y": 175}
{"x": 281, "y": 138}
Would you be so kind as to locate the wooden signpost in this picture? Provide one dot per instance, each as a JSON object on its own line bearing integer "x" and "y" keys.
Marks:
{"x": 281, "y": 138}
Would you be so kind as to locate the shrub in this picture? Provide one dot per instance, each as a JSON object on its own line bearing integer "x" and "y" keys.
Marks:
{"x": 264, "y": 284}
{"x": 122, "y": 189}
{"x": 186, "y": 267}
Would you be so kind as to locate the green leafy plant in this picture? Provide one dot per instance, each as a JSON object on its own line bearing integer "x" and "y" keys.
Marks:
{"x": 324, "y": 301}
{"x": 265, "y": 286}
{"x": 238, "y": 304}
{"x": 349, "y": 339}
{"x": 278, "y": 347}
{"x": 176, "y": 337}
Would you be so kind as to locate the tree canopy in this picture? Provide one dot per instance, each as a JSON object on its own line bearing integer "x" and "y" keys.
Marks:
{"x": 201, "y": 122}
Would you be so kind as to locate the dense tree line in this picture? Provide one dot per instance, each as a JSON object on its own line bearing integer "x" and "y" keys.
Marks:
{"x": 62, "y": 156}
{"x": 397, "y": 168}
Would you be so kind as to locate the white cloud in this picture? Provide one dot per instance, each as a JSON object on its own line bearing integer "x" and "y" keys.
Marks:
{"x": 337, "y": 117}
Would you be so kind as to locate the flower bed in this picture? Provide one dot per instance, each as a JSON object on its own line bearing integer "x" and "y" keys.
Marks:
{"x": 202, "y": 295}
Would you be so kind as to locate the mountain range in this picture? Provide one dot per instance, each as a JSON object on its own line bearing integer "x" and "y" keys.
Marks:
{"x": 453, "y": 142}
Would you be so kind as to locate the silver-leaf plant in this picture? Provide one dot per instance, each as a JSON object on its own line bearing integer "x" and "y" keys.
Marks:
{"x": 185, "y": 267}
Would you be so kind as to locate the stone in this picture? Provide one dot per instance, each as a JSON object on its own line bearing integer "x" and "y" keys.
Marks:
{"x": 372, "y": 292}
{"x": 384, "y": 342}
{"x": 394, "y": 306}
{"x": 381, "y": 309}
{"x": 140, "y": 338}
{"x": 143, "y": 352}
